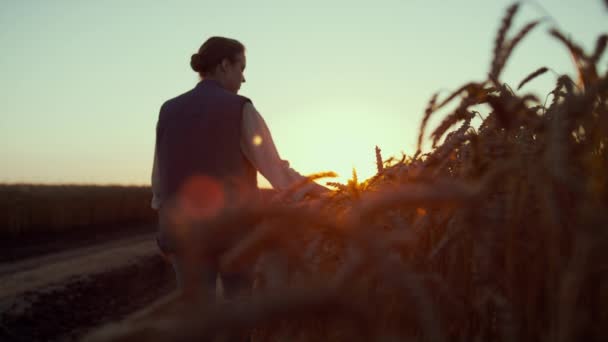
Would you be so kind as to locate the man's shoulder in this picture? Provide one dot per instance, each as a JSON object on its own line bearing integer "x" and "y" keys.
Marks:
{"x": 232, "y": 96}
{"x": 245, "y": 99}
{"x": 176, "y": 100}
{"x": 172, "y": 104}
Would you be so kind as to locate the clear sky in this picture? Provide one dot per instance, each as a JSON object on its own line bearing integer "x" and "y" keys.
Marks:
{"x": 81, "y": 82}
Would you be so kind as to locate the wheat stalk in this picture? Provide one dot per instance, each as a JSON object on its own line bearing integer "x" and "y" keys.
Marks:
{"x": 379, "y": 164}
{"x": 497, "y": 59}
{"x": 532, "y": 76}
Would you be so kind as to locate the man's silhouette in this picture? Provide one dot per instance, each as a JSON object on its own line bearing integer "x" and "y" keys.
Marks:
{"x": 210, "y": 143}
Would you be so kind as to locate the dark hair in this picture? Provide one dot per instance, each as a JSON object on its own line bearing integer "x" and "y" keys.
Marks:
{"x": 213, "y": 51}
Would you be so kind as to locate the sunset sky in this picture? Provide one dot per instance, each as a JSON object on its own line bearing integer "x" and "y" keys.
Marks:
{"x": 82, "y": 81}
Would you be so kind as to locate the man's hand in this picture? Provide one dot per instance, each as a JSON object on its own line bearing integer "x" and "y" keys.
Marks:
{"x": 318, "y": 190}
{"x": 313, "y": 190}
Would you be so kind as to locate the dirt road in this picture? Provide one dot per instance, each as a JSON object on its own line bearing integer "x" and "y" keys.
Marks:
{"x": 61, "y": 295}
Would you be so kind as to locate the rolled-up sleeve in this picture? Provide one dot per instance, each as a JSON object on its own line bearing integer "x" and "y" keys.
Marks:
{"x": 257, "y": 145}
{"x": 155, "y": 177}
{"x": 155, "y": 181}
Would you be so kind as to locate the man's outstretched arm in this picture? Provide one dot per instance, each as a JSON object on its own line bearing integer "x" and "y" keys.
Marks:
{"x": 259, "y": 148}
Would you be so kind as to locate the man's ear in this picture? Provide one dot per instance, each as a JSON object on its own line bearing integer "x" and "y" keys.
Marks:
{"x": 224, "y": 65}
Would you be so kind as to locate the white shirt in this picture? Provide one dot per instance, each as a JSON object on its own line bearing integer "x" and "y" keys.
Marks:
{"x": 257, "y": 146}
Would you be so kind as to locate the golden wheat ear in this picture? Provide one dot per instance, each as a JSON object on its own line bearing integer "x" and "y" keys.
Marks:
{"x": 430, "y": 108}
{"x": 499, "y": 42}
{"x": 379, "y": 164}
{"x": 532, "y": 76}
{"x": 600, "y": 46}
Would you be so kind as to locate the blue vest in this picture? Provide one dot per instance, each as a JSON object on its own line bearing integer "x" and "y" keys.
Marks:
{"x": 198, "y": 136}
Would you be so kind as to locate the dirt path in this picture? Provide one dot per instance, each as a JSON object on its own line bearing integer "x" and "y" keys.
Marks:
{"x": 59, "y": 296}
{"x": 35, "y": 273}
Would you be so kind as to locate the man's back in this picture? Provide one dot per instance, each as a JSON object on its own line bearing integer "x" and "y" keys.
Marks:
{"x": 199, "y": 135}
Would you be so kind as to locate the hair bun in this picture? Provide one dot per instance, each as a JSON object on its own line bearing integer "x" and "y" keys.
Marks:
{"x": 195, "y": 62}
{"x": 213, "y": 51}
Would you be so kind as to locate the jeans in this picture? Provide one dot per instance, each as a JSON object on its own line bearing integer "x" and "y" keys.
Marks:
{"x": 233, "y": 284}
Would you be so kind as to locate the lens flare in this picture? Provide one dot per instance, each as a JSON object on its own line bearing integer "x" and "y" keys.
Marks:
{"x": 201, "y": 197}
{"x": 257, "y": 140}
{"x": 420, "y": 211}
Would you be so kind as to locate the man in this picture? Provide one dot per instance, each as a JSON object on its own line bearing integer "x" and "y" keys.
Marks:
{"x": 210, "y": 143}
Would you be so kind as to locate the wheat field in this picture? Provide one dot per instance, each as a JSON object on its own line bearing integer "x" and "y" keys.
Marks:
{"x": 499, "y": 233}
{"x": 33, "y": 209}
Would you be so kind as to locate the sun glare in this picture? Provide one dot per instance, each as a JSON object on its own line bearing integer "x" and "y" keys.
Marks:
{"x": 257, "y": 140}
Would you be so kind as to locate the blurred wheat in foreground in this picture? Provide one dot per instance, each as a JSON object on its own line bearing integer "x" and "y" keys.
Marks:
{"x": 500, "y": 233}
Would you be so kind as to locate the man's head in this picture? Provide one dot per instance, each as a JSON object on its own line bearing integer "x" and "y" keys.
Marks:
{"x": 222, "y": 59}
